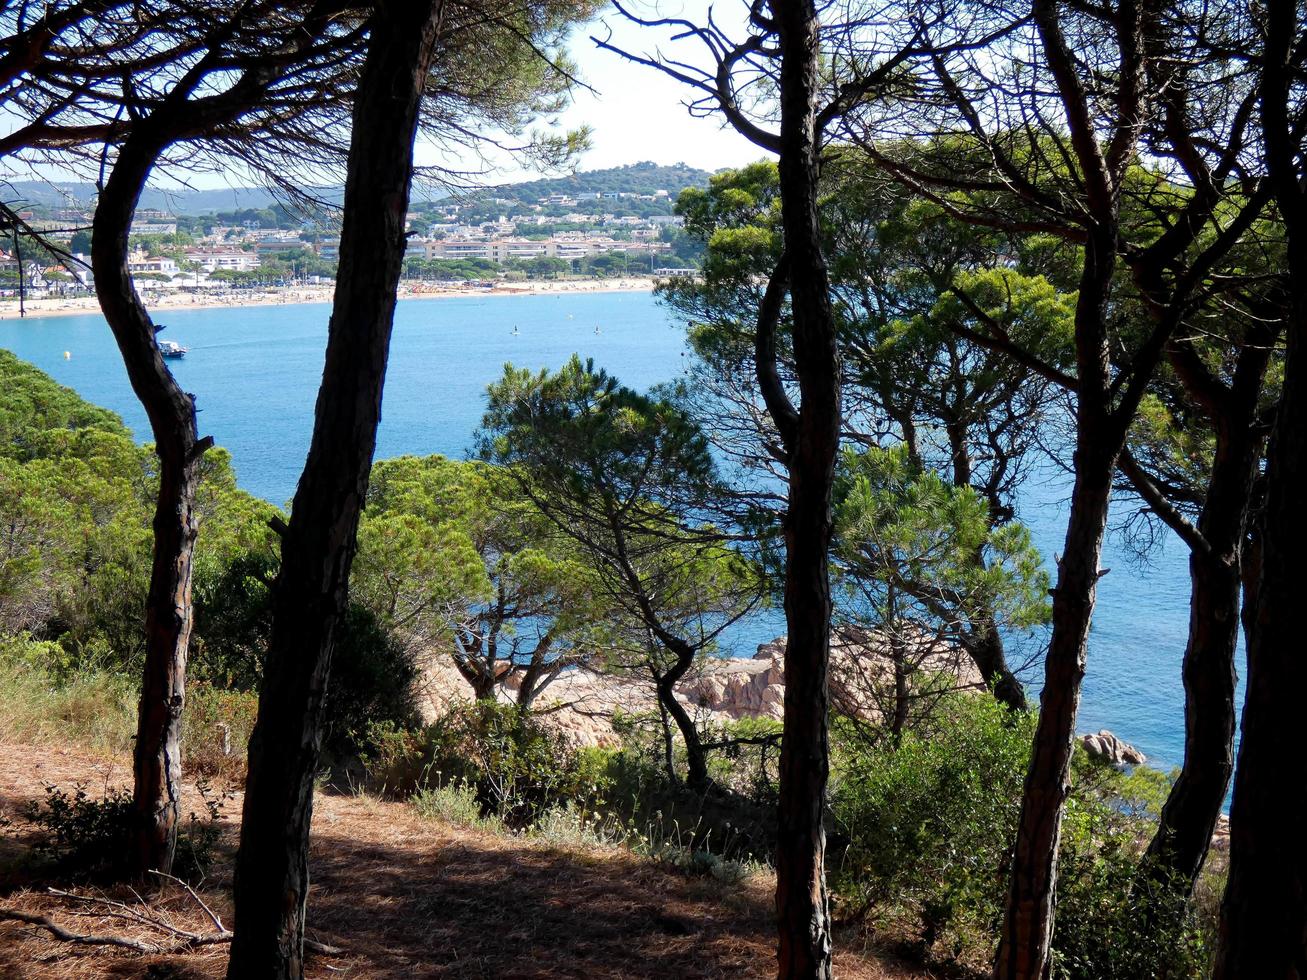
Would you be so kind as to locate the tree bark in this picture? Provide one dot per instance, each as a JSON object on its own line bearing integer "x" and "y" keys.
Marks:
{"x": 696, "y": 759}
{"x": 985, "y": 648}
{"x": 802, "y": 904}
{"x": 1264, "y": 911}
{"x": 310, "y": 593}
{"x": 156, "y": 758}
{"x": 1025, "y": 939}
{"x": 1179, "y": 847}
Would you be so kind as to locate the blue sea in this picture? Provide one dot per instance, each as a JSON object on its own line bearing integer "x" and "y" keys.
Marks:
{"x": 255, "y": 373}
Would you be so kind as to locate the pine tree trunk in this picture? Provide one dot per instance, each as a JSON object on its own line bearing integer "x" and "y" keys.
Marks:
{"x": 310, "y": 593}
{"x": 696, "y": 759}
{"x": 1264, "y": 911}
{"x": 802, "y": 904}
{"x": 1026, "y": 935}
{"x": 1179, "y": 847}
{"x": 156, "y": 764}
{"x": 985, "y": 648}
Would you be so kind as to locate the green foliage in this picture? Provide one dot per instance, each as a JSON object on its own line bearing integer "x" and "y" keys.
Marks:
{"x": 453, "y": 557}
{"x": 94, "y": 837}
{"x": 372, "y": 679}
{"x": 216, "y": 731}
{"x": 453, "y": 803}
{"x": 630, "y": 479}
{"x": 81, "y": 833}
{"x": 516, "y": 766}
{"x": 372, "y": 674}
{"x": 899, "y": 527}
{"x": 925, "y": 826}
{"x": 43, "y": 699}
{"x": 923, "y": 830}
{"x": 451, "y": 270}
{"x": 635, "y": 178}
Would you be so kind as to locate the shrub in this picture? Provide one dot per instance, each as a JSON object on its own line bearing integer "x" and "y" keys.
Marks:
{"x": 372, "y": 674}
{"x": 82, "y": 833}
{"x": 372, "y": 678}
{"x": 454, "y": 803}
{"x": 88, "y": 836}
{"x": 924, "y": 827}
{"x": 517, "y": 766}
{"x": 40, "y": 702}
{"x": 1103, "y": 926}
{"x": 922, "y": 838}
{"x": 216, "y": 731}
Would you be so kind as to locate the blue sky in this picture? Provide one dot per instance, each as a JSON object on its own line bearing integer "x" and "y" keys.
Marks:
{"x": 636, "y": 113}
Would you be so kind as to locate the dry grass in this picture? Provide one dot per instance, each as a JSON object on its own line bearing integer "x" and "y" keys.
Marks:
{"x": 412, "y": 898}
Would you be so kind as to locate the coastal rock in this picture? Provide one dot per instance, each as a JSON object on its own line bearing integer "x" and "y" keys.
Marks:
{"x": 1106, "y": 746}
{"x": 1221, "y": 835}
{"x": 582, "y": 704}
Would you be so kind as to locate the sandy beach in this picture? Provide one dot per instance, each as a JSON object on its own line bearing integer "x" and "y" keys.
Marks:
{"x": 182, "y": 299}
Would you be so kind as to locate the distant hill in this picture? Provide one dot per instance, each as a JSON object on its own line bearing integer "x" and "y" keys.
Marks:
{"x": 35, "y": 193}
{"x": 637, "y": 178}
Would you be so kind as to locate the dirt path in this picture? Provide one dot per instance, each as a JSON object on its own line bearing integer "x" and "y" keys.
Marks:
{"x": 412, "y": 898}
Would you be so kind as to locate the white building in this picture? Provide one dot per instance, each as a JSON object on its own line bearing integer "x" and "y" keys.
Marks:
{"x": 231, "y": 259}
{"x": 139, "y": 262}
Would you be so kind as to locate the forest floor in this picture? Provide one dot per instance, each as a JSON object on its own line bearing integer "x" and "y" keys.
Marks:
{"x": 404, "y": 897}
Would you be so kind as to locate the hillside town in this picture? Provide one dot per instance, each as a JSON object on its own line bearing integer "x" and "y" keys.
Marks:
{"x": 489, "y": 238}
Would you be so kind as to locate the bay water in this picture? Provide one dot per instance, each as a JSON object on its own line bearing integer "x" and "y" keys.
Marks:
{"x": 255, "y": 373}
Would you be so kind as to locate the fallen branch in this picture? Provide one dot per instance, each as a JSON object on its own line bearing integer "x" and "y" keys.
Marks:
{"x": 108, "y": 908}
{"x": 60, "y": 933}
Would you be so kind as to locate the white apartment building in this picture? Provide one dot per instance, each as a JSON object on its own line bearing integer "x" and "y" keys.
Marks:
{"x": 501, "y": 249}
{"x": 140, "y": 262}
{"x": 231, "y": 259}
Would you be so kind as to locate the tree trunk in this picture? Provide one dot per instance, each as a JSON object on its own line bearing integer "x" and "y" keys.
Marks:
{"x": 985, "y": 648}
{"x": 310, "y": 593}
{"x": 1024, "y": 942}
{"x": 1184, "y": 832}
{"x": 802, "y": 905}
{"x": 899, "y": 655}
{"x": 156, "y": 762}
{"x": 696, "y": 759}
{"x": 1264, "y": 912}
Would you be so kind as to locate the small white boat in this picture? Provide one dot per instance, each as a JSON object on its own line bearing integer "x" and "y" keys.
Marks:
{"x": 170, "y": 348}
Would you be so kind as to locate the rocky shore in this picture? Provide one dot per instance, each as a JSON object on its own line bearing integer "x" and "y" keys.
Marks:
{"x": 583, "y": 703}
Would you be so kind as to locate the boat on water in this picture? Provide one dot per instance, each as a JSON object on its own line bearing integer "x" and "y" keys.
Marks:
{"x": 170, "y": 348}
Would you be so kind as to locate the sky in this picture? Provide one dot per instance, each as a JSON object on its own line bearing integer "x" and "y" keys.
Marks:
{"x": 637, "y": 113}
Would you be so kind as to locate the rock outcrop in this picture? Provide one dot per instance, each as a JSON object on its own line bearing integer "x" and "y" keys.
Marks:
{"x": 719, "y": 691}
{"x": 1106, "y": 746}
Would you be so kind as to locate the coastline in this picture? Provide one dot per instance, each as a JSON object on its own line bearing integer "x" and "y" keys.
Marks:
{"x": 308, "y": 295}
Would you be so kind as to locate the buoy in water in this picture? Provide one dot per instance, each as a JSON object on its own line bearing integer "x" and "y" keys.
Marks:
{"x": 68, "y": 355}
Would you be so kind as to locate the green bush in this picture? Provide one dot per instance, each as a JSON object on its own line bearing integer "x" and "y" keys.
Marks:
{"x": 516, "y": 766}
{"x": 216, "y": 727}
{"x": 40, "y": 701}
{"x": 921, "y": 831}
{"x": 372, "y": 674}
{"x": 94, "y": 837}
{"x": 922, "y": 835}
{"x": 1112, "y": 920}
{"x": 82, "y": 833}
